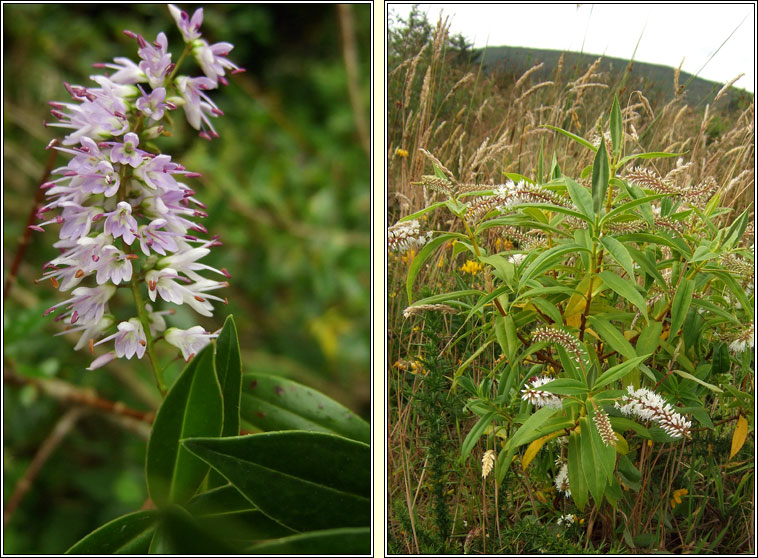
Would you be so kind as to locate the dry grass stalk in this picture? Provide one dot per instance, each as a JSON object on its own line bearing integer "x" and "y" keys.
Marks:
{"x": 411, "y": 75}
{"x": 726, "y": 87}
{"x": 526, "y": 74}
{"x": 533, "y": 89}
{"x": 439, "y": 165}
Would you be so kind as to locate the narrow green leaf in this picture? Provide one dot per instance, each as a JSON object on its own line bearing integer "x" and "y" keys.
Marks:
{"x": 275, "y": 403}
{"x": 565, "y": 386}
{"x": 192, "y": 407}
{"x": 421, "y": 257}
{"x": 621, "y": 424}
{"x": 647, "y": 264}
{"x": 736, "y": 229}
{"x": 649, "y": 155}
{"x": 697, "y": 380}
{"x": 626, "y": 207}
{"x": 619, "y": 253}
{"x": 227, "y": 513}
{"x": 680, "y": 305}
{"x": 224, "y": 499}
{"x": 557, "y": 209}
{"x": 555, "y": 169}
{"x": 303, "y": 480}
{"x": 627, "y": 289}
{"x": 427, "y": 209}
{"x": 577, "y": 482}
{"x": 616, "y": 372}
{"x": 549, "y": 309}
{"x": 229, "y": 372}
{"x": 540, "y": 177}
{"x": 617, "y": 127}
{"x": 511, "y": 337}
{"x": 546, "y": 260}
{"x": 629, "y": 473}
{"x": 503, "y": 268}
{"x": 594, "y": 472}
{"x": 612, "y": 336}
{"x": 601, "y": 173}
{"x": 355, "y": 541}
{"x": 521, "y": 436}
{"x": 476, "y": 432}
{"x": 582, "y": 198}
{"x": 574, "y": 137}
{"x": 649, "y": 338}
{"x": 605, "y": 456}
{"x": 128, "y": 534}
{"x": 181, "y": 534}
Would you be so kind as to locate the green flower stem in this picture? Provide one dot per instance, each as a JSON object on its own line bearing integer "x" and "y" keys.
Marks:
{"x": 142, "y": 314}
{"x": 185, "y": 52}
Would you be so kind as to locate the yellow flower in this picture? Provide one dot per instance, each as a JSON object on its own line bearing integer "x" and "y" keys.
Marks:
{"x": 441, "y": 262}
{"x": 408, "y": 256}
{"x": 471, "y": 267}
{"x": 677, "y": 499}
{"x": 401, "y": 153}
{"x": 417, "y": 368}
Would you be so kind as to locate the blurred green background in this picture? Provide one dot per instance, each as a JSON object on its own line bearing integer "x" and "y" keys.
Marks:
{"x": 287, "y": 187}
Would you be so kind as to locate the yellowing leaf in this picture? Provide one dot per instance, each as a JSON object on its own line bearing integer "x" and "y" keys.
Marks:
{"x": 499, "y": 431}
{"x": 578, "y": 301}
{"x": 535, "y": 447}
{"x": 622, "y": 446}
{"x": 739, "y": 436}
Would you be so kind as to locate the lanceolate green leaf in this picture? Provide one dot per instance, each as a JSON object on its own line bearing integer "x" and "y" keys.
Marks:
{"x": 275, "y": 403}
{"x": 421, "y": 257}
{"x": 565, "y": 386}
{"x": 649, "y": 155}
{"x": 617, "y": 128}
{"x": 625, "y": 207}
{"x": 680, "y": 305}
{"x": 594, "y": 471}
{"x": 619, "y": 253}
{"x": 600, "y": 176}
{"x": 581, "y": 197}
{"x": 193, "y": 407}
{"x": 574, "y": 137}
{"x": 353, "y": 541}
{"x": 545, "y": 260}
{"x": 229, "y": 372}
{"x": 129, "y": 534}
{"x": 627, "y": 289}
{"x": 616, "y": 372}
{"x": 304, "y": 480}
{"x": 577, "y": 482}
{"x": 476, "y": 432}
{"x": 612, "y": 337}
{"x": 521, "y": 436}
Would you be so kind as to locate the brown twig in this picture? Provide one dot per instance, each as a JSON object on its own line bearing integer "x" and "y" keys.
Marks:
{"x": 24, "y": 242}
{"x": 350, "y": 52}
{"x": 61, "y": 429}
{"x": 64, "y": 392}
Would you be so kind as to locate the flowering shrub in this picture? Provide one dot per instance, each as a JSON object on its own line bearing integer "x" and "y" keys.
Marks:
{"x": 621, "y": 306}
{"x": 129, "y": 221}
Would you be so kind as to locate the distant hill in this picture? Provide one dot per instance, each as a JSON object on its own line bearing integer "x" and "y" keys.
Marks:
{"x": 655, "y": 81}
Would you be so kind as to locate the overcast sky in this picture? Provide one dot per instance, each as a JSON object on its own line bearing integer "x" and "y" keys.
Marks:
{"x": 669, "y": 32}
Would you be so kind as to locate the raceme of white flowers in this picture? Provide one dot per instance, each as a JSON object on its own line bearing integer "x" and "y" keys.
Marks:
{"x": 538, "y": 397}
{"x": 406, "y": 235}
{"x": 648, "y": 405}
{"x": 125, "y": 212}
